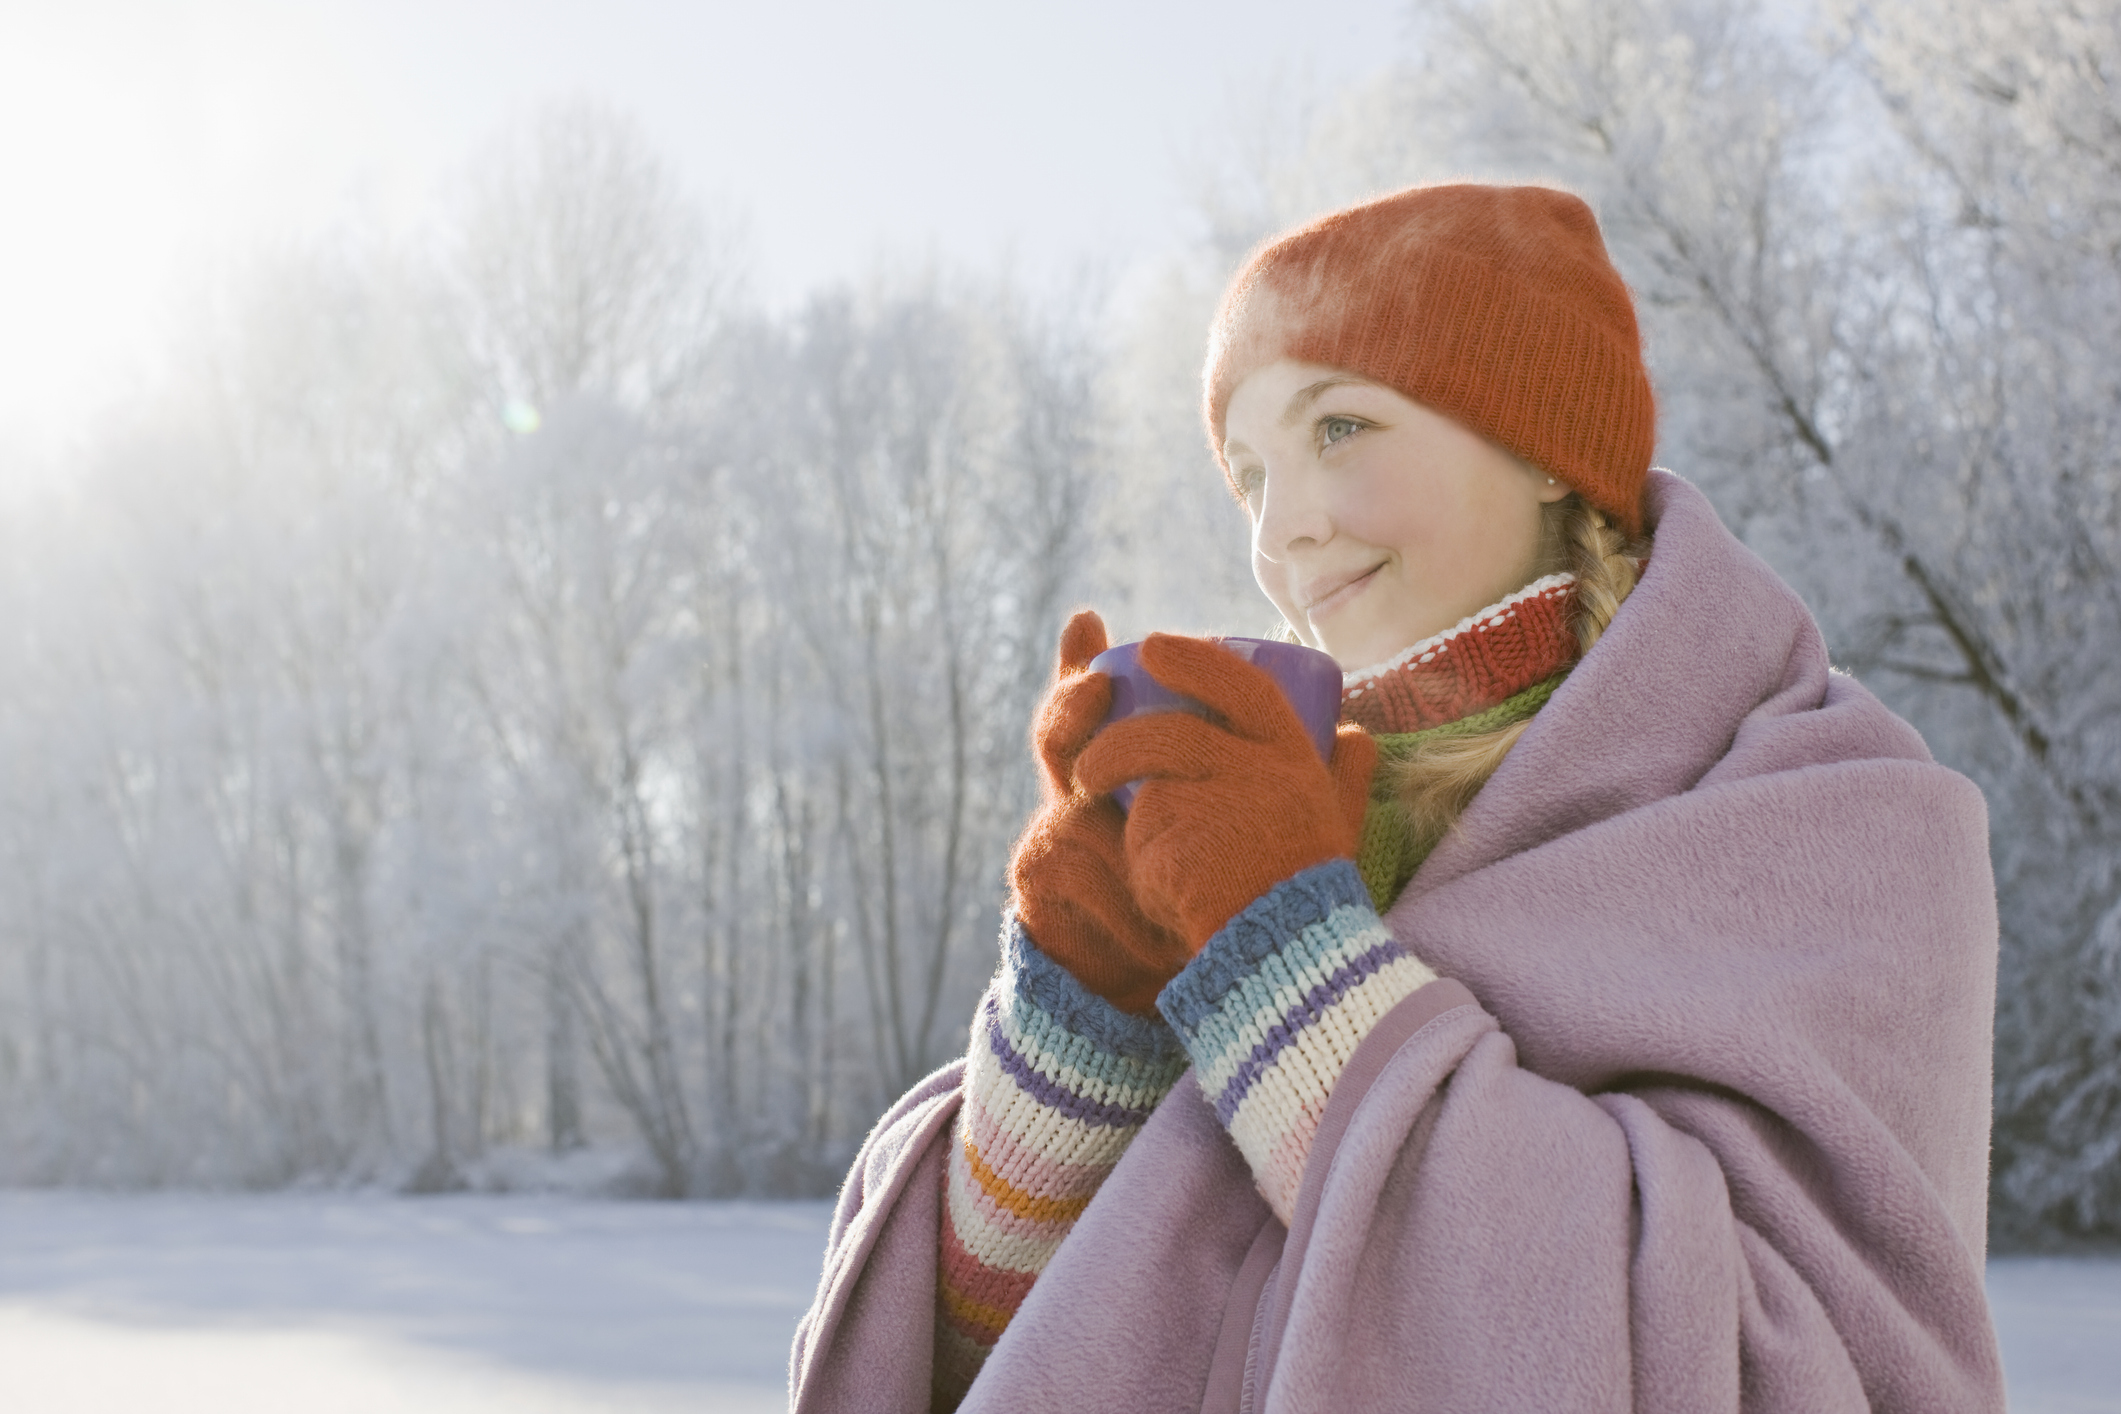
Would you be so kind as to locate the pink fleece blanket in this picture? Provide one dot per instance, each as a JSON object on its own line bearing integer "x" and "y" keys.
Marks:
{"x": 1697, "y": 1121}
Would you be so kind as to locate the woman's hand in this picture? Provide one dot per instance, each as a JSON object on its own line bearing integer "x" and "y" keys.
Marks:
{"x": 1228, "y": 808}
{"x": 1069, "y": 872}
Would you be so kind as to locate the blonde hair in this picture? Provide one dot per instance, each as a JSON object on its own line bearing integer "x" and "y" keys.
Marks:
{"x": 1434, "y": 786}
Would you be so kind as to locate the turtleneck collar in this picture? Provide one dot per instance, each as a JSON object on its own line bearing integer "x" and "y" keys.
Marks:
{"x": 1488, "y": 657}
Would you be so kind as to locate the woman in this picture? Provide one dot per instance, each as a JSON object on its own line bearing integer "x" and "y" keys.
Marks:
{"x": 1606, "y": 1026}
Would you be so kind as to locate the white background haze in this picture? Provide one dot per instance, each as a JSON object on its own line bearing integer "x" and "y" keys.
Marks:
{"x": 144, "y": 141}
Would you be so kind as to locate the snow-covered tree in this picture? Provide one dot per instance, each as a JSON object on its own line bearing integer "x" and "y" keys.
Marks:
{"x": 1875, "y": 252}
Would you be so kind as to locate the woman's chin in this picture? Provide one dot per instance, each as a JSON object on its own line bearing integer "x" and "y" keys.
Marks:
{"x": 1369, "y": 645}
{"x": 1343, "y": 637}
{"x": 1353, "y": 652}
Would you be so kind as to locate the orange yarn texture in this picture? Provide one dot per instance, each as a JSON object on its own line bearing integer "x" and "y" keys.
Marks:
{"x": 1497, "y": 306}
{"x": 1225, "y": 811}
{"x": 1068, "y": 872}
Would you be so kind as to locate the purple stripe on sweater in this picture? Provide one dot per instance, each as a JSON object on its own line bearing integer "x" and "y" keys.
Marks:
{"x": 1053, "y": 1095}
{"x": 1308, "y": 1008}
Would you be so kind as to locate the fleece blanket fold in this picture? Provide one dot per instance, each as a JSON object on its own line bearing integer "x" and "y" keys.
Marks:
{"x": 1695, "y": 1120}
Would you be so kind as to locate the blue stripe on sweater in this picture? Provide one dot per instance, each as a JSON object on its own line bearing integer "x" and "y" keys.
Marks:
{"x": 1049, "y": 1092}
{"x": 1308, "y": 1009}
{"x": 1263, "y": 929}
{"x": 1080, "y": 1012}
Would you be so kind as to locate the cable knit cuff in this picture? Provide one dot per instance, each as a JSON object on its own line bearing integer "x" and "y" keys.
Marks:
{"x": 1274, "y": 1006}
{"x": 1052, "y": 989}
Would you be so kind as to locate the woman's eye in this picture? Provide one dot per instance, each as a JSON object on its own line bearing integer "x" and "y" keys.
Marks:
{"x": 1334, "y": 429}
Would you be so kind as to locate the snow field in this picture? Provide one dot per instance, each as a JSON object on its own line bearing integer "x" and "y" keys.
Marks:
{"x": 2059, "y": 1319}
{"x": 323, "y": 1303}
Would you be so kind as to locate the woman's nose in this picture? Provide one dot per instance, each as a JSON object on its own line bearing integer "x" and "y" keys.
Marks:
{"x": 1292, "y": 513}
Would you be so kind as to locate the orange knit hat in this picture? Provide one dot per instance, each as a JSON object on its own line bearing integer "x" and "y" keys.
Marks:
{"x": 1495, "y": 305}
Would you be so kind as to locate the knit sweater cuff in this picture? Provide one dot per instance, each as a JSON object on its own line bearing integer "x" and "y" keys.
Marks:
{"x": 1057, "y": 1084}
{"x": 1274, "y": 1006}
{"x": 1045, "y": 986}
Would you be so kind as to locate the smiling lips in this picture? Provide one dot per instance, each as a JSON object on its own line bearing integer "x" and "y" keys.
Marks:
{"x": 1336, "y": 594}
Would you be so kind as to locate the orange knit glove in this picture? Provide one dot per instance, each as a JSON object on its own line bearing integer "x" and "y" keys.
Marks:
{"x": 1228, "y": 808}
{"x": 1069, "y": 870}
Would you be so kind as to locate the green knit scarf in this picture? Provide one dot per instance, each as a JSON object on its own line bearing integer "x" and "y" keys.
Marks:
{"x": 1390, "y": 853}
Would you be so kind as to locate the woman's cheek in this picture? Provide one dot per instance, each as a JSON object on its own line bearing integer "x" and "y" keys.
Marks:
{"x": 1273, "y": 581}
{"x": 1379, "y": 501}
{"x": 1293, "y": 616}
{"x": 1385, "y": 514}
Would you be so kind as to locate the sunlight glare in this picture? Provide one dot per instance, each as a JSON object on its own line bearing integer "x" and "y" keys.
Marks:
{"x": 141, "y": 145}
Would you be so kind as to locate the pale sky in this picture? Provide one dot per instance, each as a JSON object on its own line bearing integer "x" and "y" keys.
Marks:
{"x": 140, "y": 143}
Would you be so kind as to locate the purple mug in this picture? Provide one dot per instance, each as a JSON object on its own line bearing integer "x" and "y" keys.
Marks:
{"x": 1308, "y": 678}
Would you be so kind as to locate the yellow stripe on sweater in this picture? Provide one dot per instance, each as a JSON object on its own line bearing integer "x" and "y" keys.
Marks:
{"x": 976, "y": 1315}
{"x": 1024, "y": 1205}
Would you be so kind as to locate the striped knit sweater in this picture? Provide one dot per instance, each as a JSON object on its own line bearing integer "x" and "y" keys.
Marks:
{"x": 1057, "y": 1084}
{"x": 1059, "y": 1081}
{"x": 1273, "y": 1007}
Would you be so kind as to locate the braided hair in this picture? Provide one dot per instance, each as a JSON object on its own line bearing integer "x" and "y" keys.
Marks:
{"x": 1434, "y": 786}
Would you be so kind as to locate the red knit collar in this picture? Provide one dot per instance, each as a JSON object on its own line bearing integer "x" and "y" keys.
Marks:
{"x": 1492, "y": 655}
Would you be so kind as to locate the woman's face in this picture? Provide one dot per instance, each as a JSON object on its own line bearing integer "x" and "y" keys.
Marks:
{"x": 1376, "y": 522}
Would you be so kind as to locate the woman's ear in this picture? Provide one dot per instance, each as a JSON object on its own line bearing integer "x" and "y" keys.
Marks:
{"x": 1548, "y": 489}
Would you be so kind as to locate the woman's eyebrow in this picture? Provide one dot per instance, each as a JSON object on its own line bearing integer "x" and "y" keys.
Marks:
{"x": 1301, "y": 403}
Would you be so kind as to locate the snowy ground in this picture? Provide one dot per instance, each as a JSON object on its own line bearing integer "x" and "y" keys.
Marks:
{"x": 2060, "y": 1322}
{"x": 332, "y": 1304}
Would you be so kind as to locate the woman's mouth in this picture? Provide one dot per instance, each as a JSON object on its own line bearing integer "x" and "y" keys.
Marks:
{"x": 1340, "y": 594}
